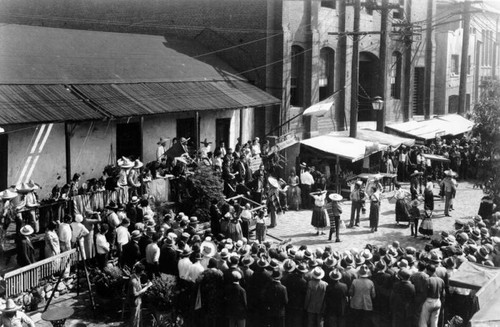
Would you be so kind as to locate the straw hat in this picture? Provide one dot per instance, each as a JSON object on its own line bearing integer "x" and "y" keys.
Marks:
{"x": 335, "y": 197}
{"x": 136, "y": 234}
{"x": 26, "y": 230}
{"x": 302, "y": 267}
{"x": 247, "y": 261}
{"x": 163, "y": 140}
{"x": 138, "y": 164}
{"x": 125, "y": 163}
{"x": 10, "y": 306}
{"x": 273, "y": 182}
{"x": 289, "y": 265}
{"x": 8, "y": 194}
{"x": 208, "y": 248}
{"x": 318, "y": 273}
{"x": 24, "y": 188}
{"x": 335, "y": 274}
{"x": 303, "y": 165}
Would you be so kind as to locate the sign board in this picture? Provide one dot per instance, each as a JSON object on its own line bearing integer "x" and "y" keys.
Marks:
{"x": 255, "y": 163}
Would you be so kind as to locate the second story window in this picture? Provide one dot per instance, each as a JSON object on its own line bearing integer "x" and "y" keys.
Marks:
{"x": 455, "y": 64}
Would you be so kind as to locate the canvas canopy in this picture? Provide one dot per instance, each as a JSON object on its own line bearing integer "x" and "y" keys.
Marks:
{"x": 430, "y": 129}
{"x": 379, "y": 137}
{"x": 344, "y": 147}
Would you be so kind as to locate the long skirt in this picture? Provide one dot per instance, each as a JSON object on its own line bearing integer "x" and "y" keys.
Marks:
{"x": 319, "y": 219}
{"x": 294, "y": 197}
{"x": 401, "y": 210}
{"x": 374, "y": 213}
{"x": 428, "y": 200}
{"x": 426, "y": 227}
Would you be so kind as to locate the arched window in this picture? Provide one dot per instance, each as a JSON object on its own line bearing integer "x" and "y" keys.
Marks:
{"x": 326, "y": 72}
{"x": 396, "y": 64}
{"x": 297, "y": 76}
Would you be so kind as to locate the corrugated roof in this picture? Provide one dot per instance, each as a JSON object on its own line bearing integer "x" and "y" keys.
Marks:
{"x": 41, "y": 103}
{"x": 43, "y": 55}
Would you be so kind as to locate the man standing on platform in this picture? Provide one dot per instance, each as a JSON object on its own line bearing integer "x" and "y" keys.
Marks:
{"x": 306, "y": 183}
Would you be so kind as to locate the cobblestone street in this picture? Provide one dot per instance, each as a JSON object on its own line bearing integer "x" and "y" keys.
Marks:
{"x": 297, "y": 224}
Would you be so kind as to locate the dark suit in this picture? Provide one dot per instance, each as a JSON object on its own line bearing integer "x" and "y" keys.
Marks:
{"x": 131, "y": 254}
{"x": 336, "y": 303}
{"x": 276, "y": 298}
{"x": 143, "y": 243}
{"x": 402, "y": 303}
{"x": 25, "y": 252}
{"x": 168, "y": 260}
{"x": 256, "y": 285}
{"x": 235, "y": 301}
{"x": 296, "y": 287}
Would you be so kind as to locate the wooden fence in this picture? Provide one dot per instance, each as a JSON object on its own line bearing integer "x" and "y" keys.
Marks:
{"x": 25, "y": 278}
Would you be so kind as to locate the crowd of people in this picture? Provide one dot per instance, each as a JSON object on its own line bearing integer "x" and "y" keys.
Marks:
{"x": 228, "y": 277}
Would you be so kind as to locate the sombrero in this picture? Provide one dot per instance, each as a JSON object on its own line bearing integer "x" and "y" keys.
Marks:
{"x": 34, "y": 185}
{"x": 450, "y": 172}
{"x": 8, "y": 194}
{"x": 335, "y": 197}
{"x": 10, "y": 306}
{"x": 162, "y": 140}
{"x": 273, "y": 182}
{"x": 138, "y": 164}
{"x": 125, "y": 163}
{"x": 26, "y": 230}
{"x": 181, "y": 159}
{"x": 23, "y": 188}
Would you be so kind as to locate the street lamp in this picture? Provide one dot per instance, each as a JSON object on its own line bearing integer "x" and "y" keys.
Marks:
{"x": 378, "y": 105}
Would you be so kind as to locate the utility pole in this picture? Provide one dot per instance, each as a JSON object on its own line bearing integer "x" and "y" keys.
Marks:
{"x": 383, "y": 63}
{"x": 342, "y": 44}
{"x": 428, "y": 62}
{"x": 355, "y": 71}
{"x": 307, "y": 88}
{"x": 407, "y": 66}
{"x": 462, "y": 91}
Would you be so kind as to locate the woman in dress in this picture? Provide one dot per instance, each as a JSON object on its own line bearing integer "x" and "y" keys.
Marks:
{"x": 294, "y": 195}
{"x": 429, "y": 195}
{"x": 319, "y": 220}
{"x": 426, "y": 227}
{"x": 78, "y": 232}
{"x": 401, "y": 203}
{"x": 91, "y": 218}
{"x": 374, "y": 208}
{"x": 52, "y": 247}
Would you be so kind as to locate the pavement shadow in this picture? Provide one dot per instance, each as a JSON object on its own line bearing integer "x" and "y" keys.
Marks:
{"x": 311, "y": 234}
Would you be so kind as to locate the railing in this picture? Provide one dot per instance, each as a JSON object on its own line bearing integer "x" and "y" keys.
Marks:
{"x": 27, "y": 277}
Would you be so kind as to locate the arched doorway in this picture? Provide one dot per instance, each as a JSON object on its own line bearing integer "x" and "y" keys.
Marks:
{"x": 368, "y": 85}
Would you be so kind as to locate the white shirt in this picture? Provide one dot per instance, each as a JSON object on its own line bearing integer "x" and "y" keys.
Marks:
{"x": 306, "y": 178}
{"x": 159, "y": 152}
{"x": 102, "y": 245}
{"x": 195, "y": 271}
{"x": 152, "y": 253}
{"x": 122, "y": 235}
{"x": 183, "y": 266}
{"x": 65, "y": 233}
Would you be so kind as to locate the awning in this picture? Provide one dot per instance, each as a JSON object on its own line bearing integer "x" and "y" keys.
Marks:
{"x": 319, "y": 108}
{"x": 378, "y": 137}
{"x": 437, "y": 126}
{"x": 472, "y": 275}
{"x": 435, "y": 157}
{"x": 344, "y": 147}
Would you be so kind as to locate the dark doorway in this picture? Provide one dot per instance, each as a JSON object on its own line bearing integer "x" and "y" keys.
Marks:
{"x": 418, "y": 91}
{"x": 128, "y": 140}
{"x": 453, "y": 104}
{"x": 4, "y": 160}
{"x": 222, "y": 127}
{"x": 186, "y": 127}
{"x": 368, "y": 85}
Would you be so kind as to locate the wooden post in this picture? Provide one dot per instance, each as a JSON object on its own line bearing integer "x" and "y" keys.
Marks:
{"x": 383, "y": 63}
{"x": 407, "y": 66}
{"x": 355, "y": 71}
{"x": 462, "y": 91}
{"x": 67, "y": 143}
{"x": 342, "y": 44}
{"x": 428, "y": 62}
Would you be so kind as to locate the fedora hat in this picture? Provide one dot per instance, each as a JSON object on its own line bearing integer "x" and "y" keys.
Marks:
{"x": 273, "y": 182}
{"x": 163, "y": 140}
{"x": 112, "y": 205}
{"x": 360, "y": 260}
{"x": 416, "y": 172}
{"x": 367, "y": 254}
{"x": 335, "y": 274}
{"x": 10, "y": 306}
{"x": 404, "y": 274}
{"x": 125, "y": 162}
{"x": 330, "y": 262}
{"x": 302, "y": 267}
{"x": 138, "y": 164}
{"x": 318, "y": 273}
{"x": 335, "y": 197}
{"x": 247, "y": 261}
{"x": 208, "y": 248}
{"x": 363, "y": 271}
{"x": 224, "y": 253}
{"x": 205, "y": 142}
{"x": 402, "y": 264}
{"x": 276, "y": 274}
{"x": 193, "y": 220}
{"x": 8, "y": 194}
{"x": 134, "y": 199}
{"x": 26, "y": 230}
{"x": 303, "y": 165}
{"x": 23, "y": 188}
{"x": 380, "y": 266}
{"x": 186, "y": 252}
{"x": 289, "y": 265}
{"x": 262, "y": 263}
{"x": 135, "y": 234}
{"x": 434, "y": 258}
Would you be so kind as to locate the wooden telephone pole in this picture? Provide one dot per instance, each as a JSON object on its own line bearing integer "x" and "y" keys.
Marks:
{"x": 462, "y": 91}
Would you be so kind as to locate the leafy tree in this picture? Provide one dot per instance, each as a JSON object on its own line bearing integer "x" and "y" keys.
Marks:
{"x": 486, "y": 116}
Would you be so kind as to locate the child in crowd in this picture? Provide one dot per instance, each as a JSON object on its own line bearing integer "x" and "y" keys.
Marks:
{"x": 413, "y": 217}
{"x": 260, "y": 227}
{"x": 426, "y": 227}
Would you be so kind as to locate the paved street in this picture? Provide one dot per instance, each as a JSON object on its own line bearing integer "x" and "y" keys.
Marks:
{"x": 297, "y": 224}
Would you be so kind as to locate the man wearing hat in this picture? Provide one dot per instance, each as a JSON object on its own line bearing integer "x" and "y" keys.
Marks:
{"x": 160, "y": 150}
{"x": 260, "y": 279}
{"x": 357, "y": 197}
{"x": 131, "y": 252}
{"x": 435, "y": 295}
{"x": 296, "y": 287}
{"x": 403, "y": 300}
{"x": 334, "y": 215}
{"x": 24, "y": 247}
{"x": 111, "y": 217}
{"x": 362, "y": 292}
{"x": 184, "y": 263}
{"x": 306, "y": 183}
{"x": 192, "y": 227}
{"x": 336, "y": 300}
{"x": 276, "y": 298}
{"x": 169, "y": 258}
{"x": 133, "y": 178}
{"x": 211, "y": 283}
{"x": 315, "y": 295}
{"x": 235, "y": 301}
{"x": 196, "y": 268}
{"x": 450, "y": 186}
{"x": 12, "y": 316}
